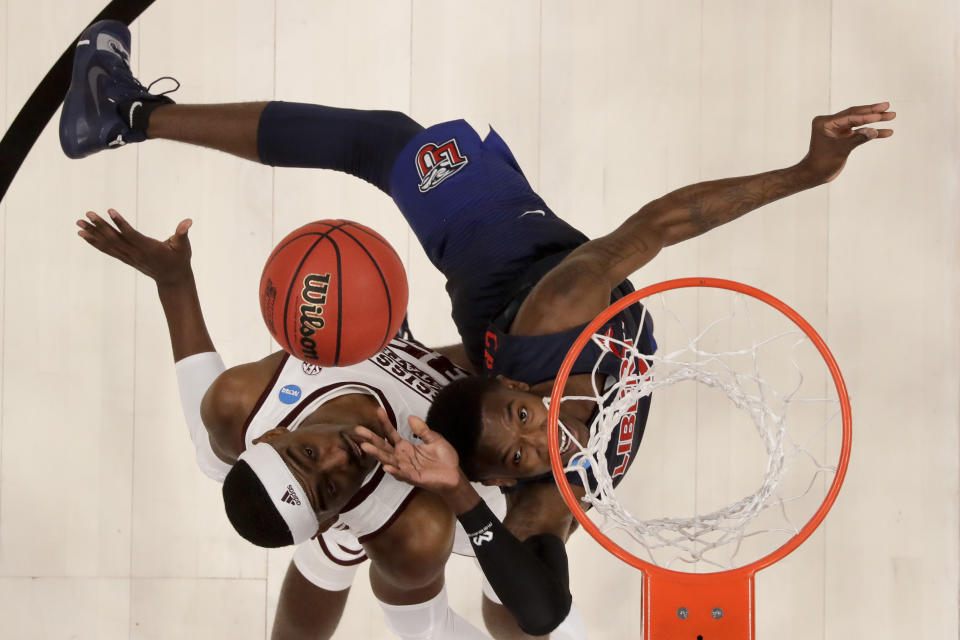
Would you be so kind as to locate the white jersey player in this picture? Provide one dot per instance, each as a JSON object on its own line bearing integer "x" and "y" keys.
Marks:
{"x": 279, "y": 434}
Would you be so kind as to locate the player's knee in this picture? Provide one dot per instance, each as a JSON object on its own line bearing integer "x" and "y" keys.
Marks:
{"x": 421, "y": 559}
{"x": 415, "y": 569}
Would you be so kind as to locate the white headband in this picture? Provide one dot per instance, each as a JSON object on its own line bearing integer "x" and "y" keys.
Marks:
{"x": 285, "y": 491}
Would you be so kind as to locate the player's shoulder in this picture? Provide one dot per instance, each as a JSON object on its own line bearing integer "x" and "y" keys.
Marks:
{"x": 232, "y": 397}
{"x": 415, "y": 368}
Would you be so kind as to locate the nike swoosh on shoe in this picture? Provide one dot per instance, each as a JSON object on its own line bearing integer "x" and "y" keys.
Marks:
{"x": 92, "y": 77}
{"x": 130, "y": 113}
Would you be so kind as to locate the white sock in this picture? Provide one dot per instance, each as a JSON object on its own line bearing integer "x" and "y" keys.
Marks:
{"x": 430, "y": 620}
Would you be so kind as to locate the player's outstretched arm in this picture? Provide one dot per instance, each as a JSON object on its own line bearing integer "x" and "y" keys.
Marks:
{"x": 696, "y": 209}
{"x": 586, "y": 276}
{"x": 167, "y": 263}
{"x": 198, "y": 365}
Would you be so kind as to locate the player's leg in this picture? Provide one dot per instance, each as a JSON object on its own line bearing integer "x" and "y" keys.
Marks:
{"x": 362, "y": 143}
{"x": 305, "y": 611}
{"x": 407, "y": 563}
{"x": 106, "y": 107}
{"x": 231, "y": 128}
{"x": 425, "y": 614}
{"x": 501, "y": 624}
{"x": 315, "y": 588}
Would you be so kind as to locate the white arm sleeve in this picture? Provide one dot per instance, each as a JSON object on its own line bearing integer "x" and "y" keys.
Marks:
{"x": 195, "y": 374}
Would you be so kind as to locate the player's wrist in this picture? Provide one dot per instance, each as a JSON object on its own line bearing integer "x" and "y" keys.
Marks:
{"x": 807, "y": 172}
{"x": 175, "y": 281}
{"x": 461, "y": 497}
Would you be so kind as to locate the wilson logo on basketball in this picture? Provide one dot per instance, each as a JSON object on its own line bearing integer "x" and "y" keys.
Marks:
{"x": 437, "y": 163}
{"x": 314, "y": 296}
{"x": 268, "y": 301}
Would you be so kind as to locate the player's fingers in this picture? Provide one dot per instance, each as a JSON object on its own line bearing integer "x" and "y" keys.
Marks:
{"x": 848, "y": 122}
{"x": 370, "y": 449}
{"x": 97, "y": 242}
{"x": 92, "y": 240}
{"x": 122, "y": 224}
{"x": 421, "y": 430}
{"x": 183, "y": 227}
{"x": 96, "y": 236}
{"x": 370, "y": 437}
{"x": 884, "y": 133}
{"x": 365, "y": 433}
{"x": 864, "y": 134}
{"x": 179, "y": 240}
{"x": 877, "y": 107}
{"x": 90, "y": 233}
{"x": 388, "y": 428}
{"x": 102, "y": 228}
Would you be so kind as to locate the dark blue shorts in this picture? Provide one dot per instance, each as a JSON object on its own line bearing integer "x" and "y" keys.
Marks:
{"x": 478, "y": 220}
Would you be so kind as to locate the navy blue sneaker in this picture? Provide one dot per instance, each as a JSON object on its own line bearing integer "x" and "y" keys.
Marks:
{"x": 98, "y": 111}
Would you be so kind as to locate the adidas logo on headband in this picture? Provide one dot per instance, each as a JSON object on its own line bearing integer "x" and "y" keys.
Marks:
{"x": 283, "y": 490}
{"x": 290, "y": 497}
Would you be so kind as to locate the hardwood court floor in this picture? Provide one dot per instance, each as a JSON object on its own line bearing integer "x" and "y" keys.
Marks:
{"x": 107, "y": 529}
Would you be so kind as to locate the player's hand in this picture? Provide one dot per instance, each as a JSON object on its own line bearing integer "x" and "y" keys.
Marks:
{"x": 167, "y": 262}
{"x": 433, "y": 465}
{"x": 834, "y": 137}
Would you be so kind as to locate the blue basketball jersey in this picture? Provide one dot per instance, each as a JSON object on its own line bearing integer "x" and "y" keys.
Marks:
{"x": 482, "y": 225}
{"x": 534, "y": 359}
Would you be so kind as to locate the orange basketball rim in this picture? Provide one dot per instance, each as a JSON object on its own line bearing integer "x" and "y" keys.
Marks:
{"x": 699, "y": 606}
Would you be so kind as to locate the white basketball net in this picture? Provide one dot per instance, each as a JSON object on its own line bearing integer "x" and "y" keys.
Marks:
{"x": 715, "y": 357}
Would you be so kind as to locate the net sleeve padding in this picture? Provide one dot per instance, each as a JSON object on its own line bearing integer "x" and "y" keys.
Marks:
{"x": 195, "y": 374}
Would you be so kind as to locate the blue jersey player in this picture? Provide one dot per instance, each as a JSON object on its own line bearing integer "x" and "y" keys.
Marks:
{"x": 522, "y": 283}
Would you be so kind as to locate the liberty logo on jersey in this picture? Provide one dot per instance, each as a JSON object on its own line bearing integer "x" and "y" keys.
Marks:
{"x": 437, "y": 163}
{"x": 290, "y": 497}
{"x": 629, "y": 366}
{"x": 290, "y": 394}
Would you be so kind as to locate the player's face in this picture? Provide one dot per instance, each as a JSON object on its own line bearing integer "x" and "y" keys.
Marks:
{"x": 514, "y": 440}
{"x": 327, "y": 460}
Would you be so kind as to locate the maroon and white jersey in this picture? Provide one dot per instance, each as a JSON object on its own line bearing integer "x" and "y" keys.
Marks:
{"x": 403, "y": 378}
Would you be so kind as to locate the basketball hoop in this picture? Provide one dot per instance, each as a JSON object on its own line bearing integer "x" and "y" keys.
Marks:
{"x": 719, "y": 604}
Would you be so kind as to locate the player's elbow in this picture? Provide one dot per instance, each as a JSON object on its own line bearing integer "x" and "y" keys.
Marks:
{"x": 548, "y": 605}
{"x": 545, "y": 613}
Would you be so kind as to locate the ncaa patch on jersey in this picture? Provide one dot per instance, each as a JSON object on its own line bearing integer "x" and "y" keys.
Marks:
{"x": 437, "y": 163}
{"x": 290, "y": 394}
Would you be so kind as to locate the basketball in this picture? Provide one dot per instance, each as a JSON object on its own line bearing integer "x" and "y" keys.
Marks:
{"x": 333, "y": 293}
